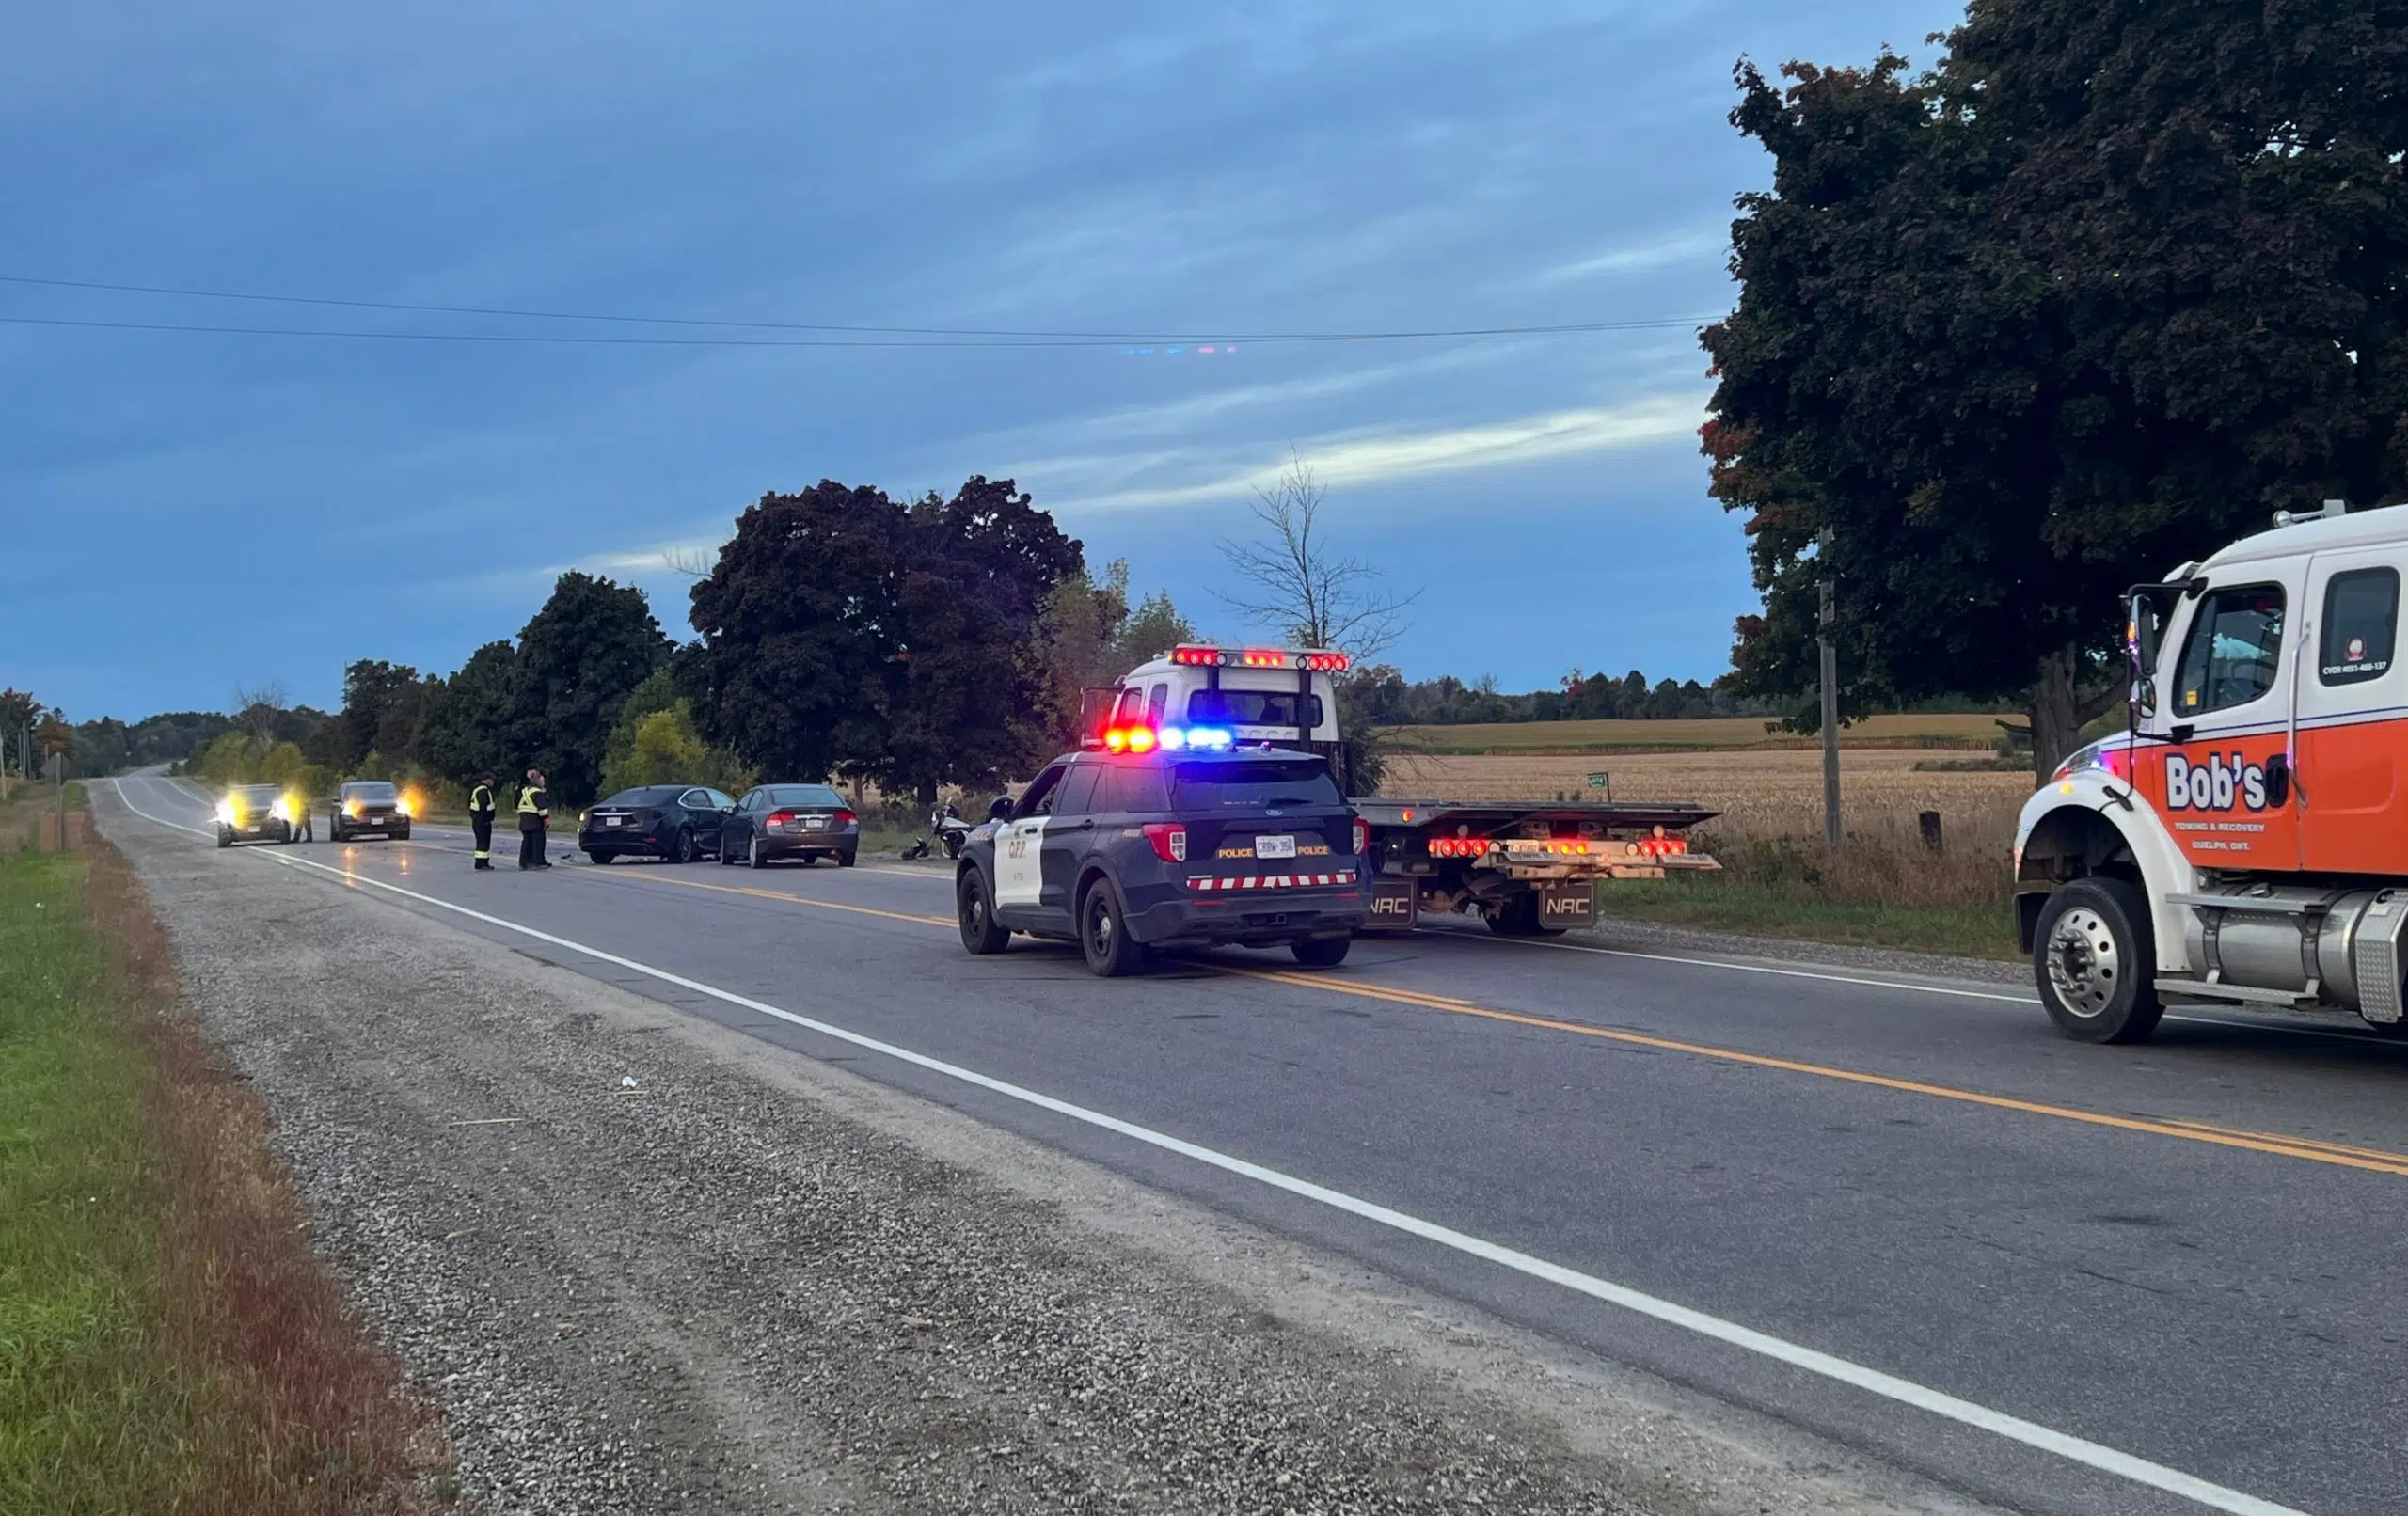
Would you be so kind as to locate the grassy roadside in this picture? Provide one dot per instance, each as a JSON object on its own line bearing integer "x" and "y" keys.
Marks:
{"x": 1757, "y": 909}
{"x": 166, "y": 1341}
{"x": 1883, "y": 889}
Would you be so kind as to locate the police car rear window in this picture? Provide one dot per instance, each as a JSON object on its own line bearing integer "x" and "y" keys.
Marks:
{"x": 1300, "y": 783}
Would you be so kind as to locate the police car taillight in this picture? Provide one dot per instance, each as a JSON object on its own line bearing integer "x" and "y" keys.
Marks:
{"x": 1362, "y": 836}
{"x": 1169, "y": 840}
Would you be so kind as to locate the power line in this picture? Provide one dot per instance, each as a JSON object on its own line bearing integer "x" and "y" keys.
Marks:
{"x": 950, "y": 336}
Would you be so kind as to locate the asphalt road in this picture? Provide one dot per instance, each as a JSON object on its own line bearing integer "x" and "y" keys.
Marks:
{"x": 1904, "y": 1214}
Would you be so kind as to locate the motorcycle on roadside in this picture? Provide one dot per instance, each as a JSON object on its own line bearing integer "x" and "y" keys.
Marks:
{"x": 946, "y": 830}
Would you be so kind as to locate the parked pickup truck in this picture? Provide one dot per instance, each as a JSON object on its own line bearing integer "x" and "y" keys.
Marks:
{"x": 1528, "y": 870}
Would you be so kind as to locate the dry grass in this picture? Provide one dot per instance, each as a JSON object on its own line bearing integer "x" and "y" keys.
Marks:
{"x": 168, "y": 1343}
{"x": 1765, "y": 790}
{"x": 1975, "y": 731}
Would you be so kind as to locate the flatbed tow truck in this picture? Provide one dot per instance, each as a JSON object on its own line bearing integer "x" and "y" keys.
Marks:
{"x": 1526, "y": 870}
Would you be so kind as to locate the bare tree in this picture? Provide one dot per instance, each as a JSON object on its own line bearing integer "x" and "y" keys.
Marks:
{"x": 1300, "y": 585}
{"x": 257, "y": 706}
{"x": 694, "y": 563}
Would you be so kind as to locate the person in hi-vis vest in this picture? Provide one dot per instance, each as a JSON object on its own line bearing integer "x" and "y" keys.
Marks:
{"x": 534, "y": 814}
{"x": 481, "y": 809}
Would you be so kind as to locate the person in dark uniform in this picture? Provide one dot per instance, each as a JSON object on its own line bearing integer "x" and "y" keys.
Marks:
{"x": 534, "y": 814}
{"x": 480, "y": 810}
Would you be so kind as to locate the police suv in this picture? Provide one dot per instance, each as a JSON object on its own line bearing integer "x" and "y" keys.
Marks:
{"x": 1169, "y": 837}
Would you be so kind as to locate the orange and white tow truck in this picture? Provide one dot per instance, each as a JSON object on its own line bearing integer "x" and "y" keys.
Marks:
{"x": 2245, "y": 842}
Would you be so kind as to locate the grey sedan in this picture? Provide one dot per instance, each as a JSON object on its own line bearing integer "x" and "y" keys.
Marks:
{"x": 805, "y": 821}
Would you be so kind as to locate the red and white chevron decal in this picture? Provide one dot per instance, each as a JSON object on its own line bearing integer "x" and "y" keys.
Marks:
{"x": 1267, "y": 881}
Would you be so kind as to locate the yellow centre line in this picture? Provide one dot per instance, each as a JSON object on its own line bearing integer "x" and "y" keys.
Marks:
{"x": 2314, "y": 1150}
{"x": 632, "y": 877}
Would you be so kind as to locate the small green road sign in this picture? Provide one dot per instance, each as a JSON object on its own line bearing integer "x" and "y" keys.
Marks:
{"x": 1598, "y": 781}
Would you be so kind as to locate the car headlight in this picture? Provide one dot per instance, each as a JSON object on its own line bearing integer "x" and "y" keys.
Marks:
{"x": 351, "y": 809}
{"x": 225, "y": 811}
{"x": 401, "y": 807}
{"x": 281, "y": 810}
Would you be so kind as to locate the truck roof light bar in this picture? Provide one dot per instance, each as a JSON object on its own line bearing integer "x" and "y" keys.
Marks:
{"x": 1312, "y": 659}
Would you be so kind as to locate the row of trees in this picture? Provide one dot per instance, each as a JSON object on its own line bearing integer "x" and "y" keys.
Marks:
{"x": 2099, "y": 291}
{"x": 1380, "y": 695}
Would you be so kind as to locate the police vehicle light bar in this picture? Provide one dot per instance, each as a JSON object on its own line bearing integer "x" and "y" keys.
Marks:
{"x": 1318, "y": 660}
{"x": 1168, "y": 738}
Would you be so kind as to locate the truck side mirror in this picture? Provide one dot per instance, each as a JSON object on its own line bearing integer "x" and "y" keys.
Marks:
{"x": 2145, "y": 696}
{"x": 1001, "y": 809}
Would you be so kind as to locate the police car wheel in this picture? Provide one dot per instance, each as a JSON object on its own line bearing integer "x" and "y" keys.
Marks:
{"x": 1103, "y": 934}
{"x": 1321, "y": 951}
{"x": 2095, "y": 962}
{"x": 980, "y": 932}
{"x": 224, "y": 838}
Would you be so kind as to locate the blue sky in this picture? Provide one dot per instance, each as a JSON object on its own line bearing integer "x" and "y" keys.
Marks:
{"x": 181, "y": 513}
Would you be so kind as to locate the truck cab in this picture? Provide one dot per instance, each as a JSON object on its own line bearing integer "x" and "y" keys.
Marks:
{"x": 2245, "y": 842}
{"x": 1260, "y": 696}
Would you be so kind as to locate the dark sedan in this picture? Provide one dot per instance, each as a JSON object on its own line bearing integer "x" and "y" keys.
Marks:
{"x": 368, "y": 808}
{"x": 678, "y": 822}
{"x": 805, "y": 821}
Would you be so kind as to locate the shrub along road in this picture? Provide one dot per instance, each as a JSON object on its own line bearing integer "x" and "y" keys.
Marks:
{"x": 1897, "y": 1215}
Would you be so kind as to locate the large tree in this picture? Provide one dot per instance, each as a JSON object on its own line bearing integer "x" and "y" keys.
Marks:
{"x": 470, "y": 721}
{"x": 970, "y": 700}
{"x": 580, "y": 657}
{"x": 375, "y": 695}
{"x": 797, "y": 619}
{"x": 845, "y": 632}
{"x": 2089, "y": 298}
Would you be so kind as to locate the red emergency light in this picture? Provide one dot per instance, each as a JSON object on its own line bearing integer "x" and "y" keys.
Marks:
{"x": 1196, "y": 655}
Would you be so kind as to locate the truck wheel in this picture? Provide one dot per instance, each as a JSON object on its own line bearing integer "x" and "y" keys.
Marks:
{"x": 980, "y": 932}
{"x": 2095, "y": 962}
{"x": 1321, "y": 951}
{"x": 1516, "y": 915}
{"x": 1103, "y": 934}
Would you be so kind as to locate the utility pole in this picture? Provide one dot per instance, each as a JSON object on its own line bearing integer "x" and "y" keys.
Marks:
{"x": 1830, "y": 696}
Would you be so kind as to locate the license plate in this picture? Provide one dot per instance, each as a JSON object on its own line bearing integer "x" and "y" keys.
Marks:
{"x": 1275, "y": 846}
{"x": 815, "y": 823}
{"x": 615, "y": 821}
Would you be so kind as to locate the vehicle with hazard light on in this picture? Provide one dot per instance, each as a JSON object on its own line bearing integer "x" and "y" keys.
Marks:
{"x": 2244, "y": 842}
{"x": 1165, "y": 837}
{"x": 256, "y": 814}
{"x": 1527, "y": 870}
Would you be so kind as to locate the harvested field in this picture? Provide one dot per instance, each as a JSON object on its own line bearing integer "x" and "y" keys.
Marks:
{"x": 1775, "y": 790}
{"x": 1975, "y": 731}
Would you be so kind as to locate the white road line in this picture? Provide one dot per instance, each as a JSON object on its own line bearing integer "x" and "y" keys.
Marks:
{"x": 1873, "y": 1380}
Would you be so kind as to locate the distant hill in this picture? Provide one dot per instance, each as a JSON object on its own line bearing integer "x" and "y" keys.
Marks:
{"x": 1978, "y": 731}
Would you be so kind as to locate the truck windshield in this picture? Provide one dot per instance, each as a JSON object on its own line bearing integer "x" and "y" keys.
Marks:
{"x": 1254, "y": 707}
{"x": 1301, "y": 783}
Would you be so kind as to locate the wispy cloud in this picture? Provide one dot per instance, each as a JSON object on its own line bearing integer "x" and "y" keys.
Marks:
{"x": 1365, "y": 458}
{"x": 1639, "y": 257}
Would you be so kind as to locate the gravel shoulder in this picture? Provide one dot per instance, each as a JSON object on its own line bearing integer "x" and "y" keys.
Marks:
{"x": 754, "y": 1282}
